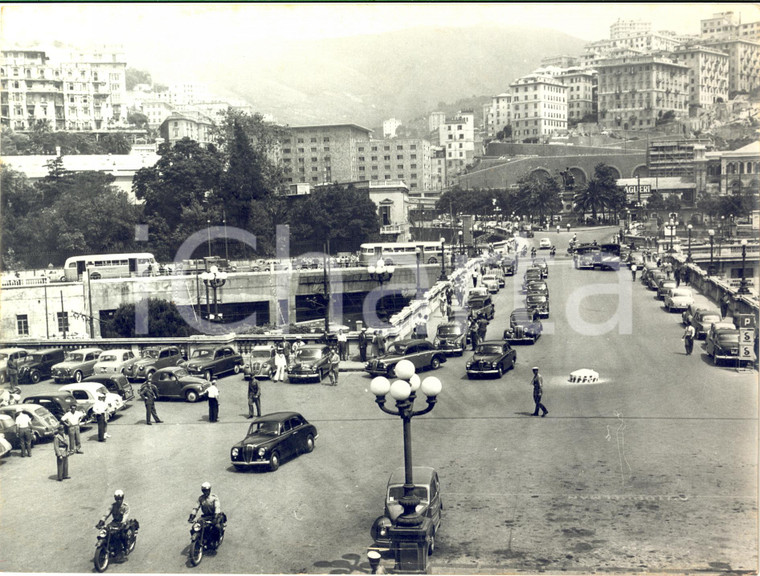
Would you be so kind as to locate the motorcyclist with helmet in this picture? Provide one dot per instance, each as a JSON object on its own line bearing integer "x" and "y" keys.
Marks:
{"x": 209, "y": 507}
{"x": 119, "y": 512}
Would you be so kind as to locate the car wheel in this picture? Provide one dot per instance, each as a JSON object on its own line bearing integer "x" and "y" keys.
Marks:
{"x": 56, "y": 381}
{"x": 432, "y": 260}
{"x": 274, "y": 461}
{"x": 499, "y": 371}
{"x": 77, "y": 376}
{"x": 149, "y": 375}
{"x": 236, "y": 369}
{"x": 435, "y": 363}
{"x": 35, "y": 376}
{"x": 309, "y": 444}
{"x": 208, "y": 374}
{"x": 431, "y": 543}
{"x": 191, "y": 396}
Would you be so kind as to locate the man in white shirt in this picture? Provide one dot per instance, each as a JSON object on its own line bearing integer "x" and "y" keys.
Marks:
{"x": 24, "y": 423}
{"x": 100, "y": 409}
{"x": 72, "y": 419}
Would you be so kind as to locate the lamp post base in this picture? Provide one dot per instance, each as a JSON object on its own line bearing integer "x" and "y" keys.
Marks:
{"x": 743, "y": 289}
{"x": 410, "y": 545}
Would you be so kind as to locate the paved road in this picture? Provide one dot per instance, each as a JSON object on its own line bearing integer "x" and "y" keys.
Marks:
{"x": 654, "y": 468}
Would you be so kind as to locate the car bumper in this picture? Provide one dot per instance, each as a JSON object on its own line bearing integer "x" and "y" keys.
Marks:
{"x": 481, "y": 371}
{"x": 300, "y": 377}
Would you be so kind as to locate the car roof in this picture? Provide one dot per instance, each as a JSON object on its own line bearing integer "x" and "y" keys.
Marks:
{"x": 50, "y": 395}
{"x": 276, "y": 416}
{"x": 81, "y": 385}
{"x": 171, "y": 368}
{"x": 420, "y": 475}
{"x": 115, "y": 350}
{"x": 493, "y": 342}
{"x": 86, "y": 350}
{"x": 11, "y": 350}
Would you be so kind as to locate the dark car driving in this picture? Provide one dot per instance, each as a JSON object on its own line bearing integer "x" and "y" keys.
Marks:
{"x": 523, "y": 324}
{"x": 491, "y": 357}
{"x": 538, "y": 302}
{"x": 311, "y": 362}
{"x": 451, "y": 337}
{"x": 272, "y": 439}
{"x": 214, "y": 361}
{"x": 421, "y": 353}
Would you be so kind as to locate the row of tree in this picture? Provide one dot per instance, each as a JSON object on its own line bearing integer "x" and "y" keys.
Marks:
{"x": 43, "y": 140}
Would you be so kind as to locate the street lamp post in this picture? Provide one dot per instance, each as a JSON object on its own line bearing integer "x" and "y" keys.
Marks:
{"x": 381, "y": 273}
{"x": 743, "y": 286}
{"x": 688, "y": 230}
{"x": 213, "y": 279}
{"x": 411, "y": 533}
{"x": 711, "y": 234}
{"x": 460, "y": 233}
{"x": 443, "y": 259}
{"x": 418, "y": 254}
{"x": 672, "y": 227}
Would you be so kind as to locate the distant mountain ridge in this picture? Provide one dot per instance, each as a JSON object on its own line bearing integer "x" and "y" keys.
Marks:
{"x": 404, "y": 74}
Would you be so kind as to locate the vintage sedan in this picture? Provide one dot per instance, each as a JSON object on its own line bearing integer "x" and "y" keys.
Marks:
{"x": 214, "y": 361}
{"x": 38, "y": 364}
{"x": 688, "y": 314}
{"x": 87, "y": 393}
{"x": 491, "y": 283}
{"x": 57, "y": 403}
{"x": 663, "y": 285}
{"x": 9, "y": 428}
{"x": 491, "y": 357}
{"x": 653, "y": 278}
{"x": 532, "y": 274}
{"x": 18, "y": 354}
{"x": 427, "y": 487}
{"x": 538, "y": 302}
{"x": 703, "y": 319}
{"x": 544, "y": 244}
{"x": 524, "y": 327}
{"x": 5, "y": 446}
{"x": 272, "y": 439}
{"x": 260, "y": 363}
{"x": 537, "y": 287}
{"x": 177, "y": 382}
{"x": 77, "y": 365}
{"x": 44, "y": 424}
{"x": 421, "y": 353}
{"x": 678, "y": 299}
{"x": 508, "y": 266}
{"x": 722, "y": 343}
{"x": 311, "y": 362}
{"x": 116, "y": 383}
{"x": 451, "y": 337}
{"x": 115, "y": 361}
{"x": 542, "y": 265}
{"x": 152, "y": 359}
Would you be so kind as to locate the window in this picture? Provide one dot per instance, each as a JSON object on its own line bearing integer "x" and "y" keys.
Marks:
{"x": 387, "y": 157}
{"x": 63, "y": 321}
{"x": 399, "y": 147}
{"x": 22, "y": 323}
{"x": 399, "y": 156}
{"x": 361, "y": 148}
{"x": 313, "y": 139}
{"x": 326, "y": 139}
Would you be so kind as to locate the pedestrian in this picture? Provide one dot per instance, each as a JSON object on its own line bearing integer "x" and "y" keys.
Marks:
{"x": 557, "y": 228}
{"x": 538, "y": 390}
{"x": 482, "y": 327}
{"x": 363, "y": 343}
{"x": 633, "y": 271}
{"x": 148, "y": 392}
{"x": 677, "y": 276}
{"x": 72, "y": 419}
{"x": 254, "y": 397}
{"x": 686, "y": 276}
{"x": 725, "y": 302}
{"x": 334, "y": 367}
{"x": 474, "y": 334}
{"x": 99, "y": 409}
{"x": 62, "y": 451}
{"x": 280, "y": 364}
{"x": 11, "y": 368}
{"x": 568, "y": 226}
{"x": 688, "y": 339}
{"x": 474, "y": 279}
{"x": 24, "y": 424}
{"x": 342, "y": 345}
{"x": 420, "y": 328}
{"x": 213, "y": 401}
{"x": 380, "y": 342}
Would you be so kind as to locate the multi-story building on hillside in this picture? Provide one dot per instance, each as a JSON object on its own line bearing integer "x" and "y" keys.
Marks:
{"x": 390, "y": 126}
{"x": 187, "y": 124}
{"x": 622, "y": 28}
{"x": 79, "y": 92}
{"x": 323, "y": 153}
{"x": 562, "y": 61}
{"x": 497, "y": 114}
{"x": 156, "y": 111}
{"x": 708, "y": 74}
{"x": 635, "y": 92}
{"x": 435, "y": 119}
{"x": 539, "y": 107}
{"x": 581, "y": 91}
{"x": 743, "y": 63}
{"x": 406, "y": 159}
{"x": 728, "y": 26}
{"x": 457, "y": 136}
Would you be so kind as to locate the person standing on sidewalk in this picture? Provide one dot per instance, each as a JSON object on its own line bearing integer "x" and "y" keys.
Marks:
{"x": 213, "y": 402}
{"x": 343, "y": 345}
{"x": 280, "y": 364}
{"x": 725, "y": 302}
{"x": 254, "y": 397}
{"x": 363, "y": 342}
{"x": 334, "y": 367}
{"x": 99, "y": 409}
{"x": 538, "y": 391}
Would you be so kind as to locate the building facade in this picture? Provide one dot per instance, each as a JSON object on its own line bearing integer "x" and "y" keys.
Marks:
{"x": 457, "y": 136}
{"x": 743, "y": 63}
{"x": 728, "y": 26}
{"x": 497, "y": 114}
{"x": 674, "y": 157}
{"x": 708, "y": 74}
{"x": 634, "y": 92}
{"x": 435, "y": 120}
{"x": 398, "y": 159}
{"x": 191, "y": 125}
{"x": 622, "y": 28}
{"x": 539, "y": 107}
{"x": 581, "y": 92}
{"x": 390, "y": 126}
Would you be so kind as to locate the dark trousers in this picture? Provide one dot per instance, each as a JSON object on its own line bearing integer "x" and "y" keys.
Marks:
{"x": 63, "y": 467}
{"x": 150, "y": 410}
{"x": 102, "y": 427}
{"x": 539, "y": 406}
{"x": 254, "y": 402}
{"x": 343, "y": 350}
{"x": 213, "y": 409}
{"x": 633, "y": 274}
{"x": 689, "y": 345}
{"x": 25, "y": 435}
{"x": 363, "y": 353}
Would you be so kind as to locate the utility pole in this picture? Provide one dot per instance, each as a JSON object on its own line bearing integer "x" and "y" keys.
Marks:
{"x": 326, "y": 287}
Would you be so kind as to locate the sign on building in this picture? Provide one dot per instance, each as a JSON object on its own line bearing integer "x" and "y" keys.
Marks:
{"x": 638, "y": 192}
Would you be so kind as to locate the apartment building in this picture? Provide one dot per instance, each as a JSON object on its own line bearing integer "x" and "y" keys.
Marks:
{"x": 539, "y": 107}
{"x": 405, "y": 159}
{"x": 562, "y": 61}
{"x": 635, "y": 91}
{"x": 323, "y": 153}
{"x": 581, "y": 91}
{"x": 622, "y": 28}
{"x": 708, "y": 74}
{"x": 75, "y": 92}
{"x": 187, "y": 124}
{"x": 156, "y": 111}
{"x": 673, "y": 157}
{"x": 497, "y": 114}
{"x": 728, "y": 26}
{"x": 743, "y": 63}
{"x": 390, "y": 126}
{"x": 457, "y": 136}
{"x": 435, "y": 120}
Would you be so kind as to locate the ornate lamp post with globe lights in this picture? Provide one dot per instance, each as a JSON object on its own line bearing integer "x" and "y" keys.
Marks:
{"x": 410, "y": 533}
{"x": 443, "y": 258}
{"x": 689, "y": 229}
{"x": 382, "y": 274}
{"x": 711, "y": 234}
{"x": 213, "y": 279}
{"x": 743, "y": 289}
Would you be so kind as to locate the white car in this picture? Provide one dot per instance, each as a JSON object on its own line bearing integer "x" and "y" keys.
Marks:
{"x": 544, "y": 244}
{"x": 114, "y": 361}
{"x": 491, "y": 283}
{"x": 678, "y": 299}
{"x": 86, "y": 393}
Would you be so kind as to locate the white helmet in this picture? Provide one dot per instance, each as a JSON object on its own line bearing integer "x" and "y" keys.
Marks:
{"x": 118, "y": 494}
{"x": 206, "y": 486}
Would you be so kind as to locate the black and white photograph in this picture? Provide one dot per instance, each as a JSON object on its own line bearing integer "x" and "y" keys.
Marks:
{"x": 432, "y": 287}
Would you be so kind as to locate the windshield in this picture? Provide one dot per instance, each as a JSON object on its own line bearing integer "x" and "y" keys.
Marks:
{"x": 261, "y": 354}
{"x": 709, "y": 318}
{"x": 686, "y": 293}
{"x": 265, "y": 428}
{"x": 180, "y": 372}
{"x": 449, "y": 330}
{"x": 201, "y": 353}
{"x": 396, "y": 349}
{"x": 489, "y": 350}
{"x": 74, "y": 357}
{"x": 477, "y": 302}
{"x": 728, "y": 337}
{"x": 150, "y": 353}
{"x": 108, "y": 358}
{"x": 536, "y": 298}
{"x": 395, "y": 493}
{"x": 309, "y": 354}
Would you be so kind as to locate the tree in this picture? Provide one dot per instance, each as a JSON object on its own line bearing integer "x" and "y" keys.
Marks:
{"x": 135, "y": 77}
{"x": 537, "y": 197}
{"x": 164, "y": 321}
{"x": 138, "y": 119}
{"x": 115, "y": 144}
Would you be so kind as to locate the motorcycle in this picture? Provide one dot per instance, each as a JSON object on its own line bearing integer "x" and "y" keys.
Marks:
{"x": 206, "y": 534}
{"x": 106, "y": 547}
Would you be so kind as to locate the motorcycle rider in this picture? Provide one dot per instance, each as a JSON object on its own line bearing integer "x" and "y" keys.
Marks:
{"x": 119, "y": 513}
{"x": 209, "y": 507}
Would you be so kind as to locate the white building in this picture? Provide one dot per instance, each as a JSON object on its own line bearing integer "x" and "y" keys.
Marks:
{"x": 708, "y": 74}
{"x": 622, "y": 28}
{"x": 497, "y": 114}
{"x": 457, "y": 136}
{"x": 539, "y": 107}
{"x": 390, "y": 126}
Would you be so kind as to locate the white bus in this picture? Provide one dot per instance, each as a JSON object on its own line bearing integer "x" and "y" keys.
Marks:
{"x": 394, "y": 253}
{"x": 110, "y": 265}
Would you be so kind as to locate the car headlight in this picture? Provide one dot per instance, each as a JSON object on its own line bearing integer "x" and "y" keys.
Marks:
{"x": 141, "y": 368}
{"x": 235, "y": 452}
{"x": 469, "y": 364}
{"x": 262, "y": 451}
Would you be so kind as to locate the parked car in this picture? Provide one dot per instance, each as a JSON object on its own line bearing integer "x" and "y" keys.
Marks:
{"x": 57, "y": 403}
{"x": 678, "y": 299}
{"x": 38, "y": 365}
{"x": 177, "y": 382}
{"x": 481, "y": 305}
{"x": 115, "y": 361}
{"x": 688, "y": 314}
{"x": 538, "y": 302}
{"x": 311, "y": 362}
{"x": 18, "y": 354}
{"x": 477, "y": 292}
{"x": 427, "y": 487}
{"x": 5, "y": 446}
{"x": 499, "y": 273}
{"x": 273, "y": 438}
{"x": 722, "y": 343}
{"x": 213, "y": 361}
{"x": 491, "y": 357}
{"x": 663, "y": 286}
{"x": 76, "y": 366}
{"x": 542, "y": 265}
{"x": 44, "y": 424}
{"x": 451, "y": 337}
{"x": 9, "y": 429}
{"x": 635, "y": 258}
{"x": 87, "y": 393}
{"x": 152, "y": 359}
{"x": 421, "y": 353}
{"x": 260, "y": 363}
{"x": 116, "y": 383}
{"x": 544, "y": 244}
{"x": 491, "y": 283}
{"x": 703, "y": 320}
{"x": 654, "y": 277}
{"x": 523, "y": 325}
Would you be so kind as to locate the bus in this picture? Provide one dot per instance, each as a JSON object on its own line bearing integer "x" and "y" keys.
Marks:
{"x": 394, "y": 253}
{"x": 110, "y": 265}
